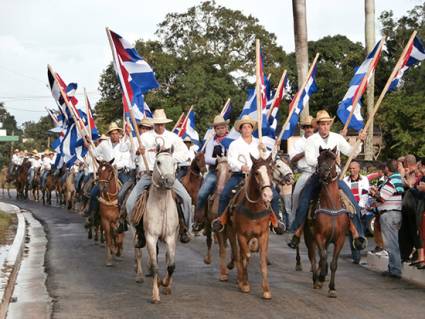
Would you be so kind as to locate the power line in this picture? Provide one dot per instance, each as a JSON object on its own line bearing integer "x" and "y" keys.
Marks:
{"x": 14, "y": 72}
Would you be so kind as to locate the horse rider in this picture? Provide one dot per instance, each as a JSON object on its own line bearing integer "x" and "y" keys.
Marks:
{"x": 149, "y": 141}
{"x": 325, "y": 139}
{"x": 46, "y": 166}
{"x": 113, "y": 148}
{"x": 297, "y": 156}
{"x": 35, "y": 164}
{"x": 137, "y": 165}
{"x": 184, "y": 166}
{"x": 243, "y": 146}
{"x": 213, "y": 149}
{"x": 15, "y": 162}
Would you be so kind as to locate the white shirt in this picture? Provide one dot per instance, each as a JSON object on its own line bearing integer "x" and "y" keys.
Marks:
{"x": 36, "y": 163}
{"x": 120, "y": 152}
{"x": 299, "y": 147}
{"x": 209, "y": 148}
{"x": 239, "y": 147}
{"x": 16, "y": 160}
{"x": 315, "y": 141}
{"x": 362, "y": 187}
{"x": 151, "y": 138}
{"x": 47, "y": 163}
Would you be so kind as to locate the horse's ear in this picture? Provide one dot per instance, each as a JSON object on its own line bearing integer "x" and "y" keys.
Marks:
{"x": 172, "y": 149}
{"x": 111, "y": 161}
{"x": 334, "y": 150}
{"x": 269, "y": 159}
{"x": 98, "y": 162}
{"x": 321, "y": 149}
{"x": 158, "y": 148}
{"x": 253, "y": 159}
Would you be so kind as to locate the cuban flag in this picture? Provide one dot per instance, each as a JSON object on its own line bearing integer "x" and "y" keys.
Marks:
{"x": 137, "y": 75}
{"x": 188, "y": 129}
{"x": 353, "y": 93}
{"x": 414, "y": 55}
{"x": 70, "y": 149}
{"x": 91, "y": 125}
{"x": 304, "y": 97}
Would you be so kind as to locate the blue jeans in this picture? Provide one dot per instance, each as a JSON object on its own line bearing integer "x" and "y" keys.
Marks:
{"x": 226, "y": 195}
{"x": 94, "y": 202}
{"x": 31, "y": 175}
{"x": 390, "y": 225}
{"x": 311, "y": 189}
{"x": 43, "y": 178}
{"x": 77, "y": 180}
{"x": 207, "y": 188}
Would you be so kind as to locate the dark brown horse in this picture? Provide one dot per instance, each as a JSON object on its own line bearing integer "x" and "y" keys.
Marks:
{"x": 251, "y": 221}
{"x": 22, "y": 180}
{"x": 192, "y": 181}
{"x": 35, "y": 186}
{"x": 109, "y": 210}
{"x": 48, "y": 188}
{"x": 329, "y": 224}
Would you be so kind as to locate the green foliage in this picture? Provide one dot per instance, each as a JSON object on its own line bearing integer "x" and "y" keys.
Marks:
{"x": 38, "y": 134}
{"x": 9, "y": 124}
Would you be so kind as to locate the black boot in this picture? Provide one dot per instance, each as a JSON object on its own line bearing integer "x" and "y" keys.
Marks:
{"x": 280, "y": 229}
{"x": 294, "y": 242}
{"x": 360, "y": 243}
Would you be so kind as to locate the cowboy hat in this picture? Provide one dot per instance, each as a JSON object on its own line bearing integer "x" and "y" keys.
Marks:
{"x": 307, "y": 121}
{"x": 159, "y": 117}
{"x": 219, "y": 120}
{"x": 146, "y": 122}
{"x": 323, "y": 116}
{"x": 113, "y": 127}
{"x": 187, "y": 139}
{"x": 103, "y": 137}
{"x": 46, "y": 152}
{"x": 34, "y": 151}
{"x": 246, "y": 119}
{"x": 16, "y": 150}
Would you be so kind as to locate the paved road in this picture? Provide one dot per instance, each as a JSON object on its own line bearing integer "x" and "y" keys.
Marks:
{"x": 82, "y": 287}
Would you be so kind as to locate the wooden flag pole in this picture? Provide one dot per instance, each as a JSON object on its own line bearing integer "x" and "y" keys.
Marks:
{"x": 86, "y": 100}
{"x": 295, "y": 102}
{"x": 223, "y": 111}
{"x": 186, "y": 118}
{"x": 378, "y": 103}
{"x": 362, "y": 86}
{"x": 258, "y": 91}
{"x": 178, "y": 121}
{"x": 279, "y": 87}
{"x": 124, "y": 89}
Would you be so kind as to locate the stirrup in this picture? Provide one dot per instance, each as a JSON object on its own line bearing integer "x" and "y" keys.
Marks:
{"x": 359, "y": 243}
{"x": 217, "y": 226}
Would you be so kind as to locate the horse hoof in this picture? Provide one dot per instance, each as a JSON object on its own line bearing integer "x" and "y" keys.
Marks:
{"x": 223, "y": 278}
{"x": 166, "y": 291}
{"x": 267, "y": 295}
{"x": 140, "y": 279}
{"x": 332, "y": 294}
{"x": 155, "y": 301}
{"x": 149, "y": 273}
{"x": 245, "y": 288}
{"x": 231, "y": 265}
{"x": 317, "y": 285}
{"x": 207, "y": 260}
{"x": 108, "y": 264}
{"x": 298, "y": 268}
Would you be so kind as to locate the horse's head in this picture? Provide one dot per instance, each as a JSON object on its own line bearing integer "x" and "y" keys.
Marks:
{"x": 164, "y": 170}
{"x": 326, "y": 165}
{"x": 106, "y": 174}
{"x": 261, "y": 173}
{"x": 282, "y": 173}
{"x": 199, "y": 161}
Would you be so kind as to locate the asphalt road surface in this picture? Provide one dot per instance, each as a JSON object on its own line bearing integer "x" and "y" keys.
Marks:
{"x": 82, "y": 287}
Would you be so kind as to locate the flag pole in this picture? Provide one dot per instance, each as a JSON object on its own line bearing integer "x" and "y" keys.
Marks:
{"x": 223, "y": 111}
{"x": 75, "y": 117}
{"x": 124, "y": 89}
{"x": 362, "y": 86}
{"x": 178, "y": 121}
{"x": 279, "y": 87}
{"x": 295, "y": 102}
{"x": 86, "y": 100}
{"x": 379, "y": 101}
{"x": 259, "y": 99}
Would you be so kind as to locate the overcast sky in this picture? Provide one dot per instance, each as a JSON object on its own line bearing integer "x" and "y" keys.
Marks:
{"x": 70, "y": 35}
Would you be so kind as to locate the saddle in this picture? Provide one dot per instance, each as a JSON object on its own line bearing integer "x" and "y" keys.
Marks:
{"x": 347, "y": 205}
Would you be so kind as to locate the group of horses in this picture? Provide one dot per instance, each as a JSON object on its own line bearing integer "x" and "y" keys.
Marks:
{"x": 248, "y": 218}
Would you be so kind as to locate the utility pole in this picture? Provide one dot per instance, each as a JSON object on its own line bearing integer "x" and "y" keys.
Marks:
{"x": 370, "y": 93}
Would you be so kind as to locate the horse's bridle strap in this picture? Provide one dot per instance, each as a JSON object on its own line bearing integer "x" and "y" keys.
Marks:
{"x": 250, "y": 214}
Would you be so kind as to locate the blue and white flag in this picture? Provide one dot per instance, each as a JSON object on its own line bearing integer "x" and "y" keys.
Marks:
{"x": 414, "y": 55}
{"x": 188, "y": 129}
{"x": 354, "y": 92}
{"x": 72, "y": 146}
{"x": 304, "y": 95}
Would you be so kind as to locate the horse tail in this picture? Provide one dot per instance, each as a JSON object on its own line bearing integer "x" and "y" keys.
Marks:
{"x": 253, "y": 245}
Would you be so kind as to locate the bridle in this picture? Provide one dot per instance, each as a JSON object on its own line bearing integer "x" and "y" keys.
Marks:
{"x": 328, "y": 178}
{"x": 158, "y": 169}
{"x": 108, "y": 180}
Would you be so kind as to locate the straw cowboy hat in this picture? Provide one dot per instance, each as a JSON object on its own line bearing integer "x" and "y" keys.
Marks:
{"x": 113, "y": 127}
{"x": 246, "y": 119}
{"x": 146, "y": 122}
{"x": 35, "y": 153}
{"x": 219, "y": 120}
{"x": 323, "y": 116}
{"x": 46, "y": 152}
{"x": 16, "y": 151}
{"x": 159, "y": 117}
{"x": 307, "y": 121}
{"x": 187, "y": 139}
{"x": 103, "y": 137}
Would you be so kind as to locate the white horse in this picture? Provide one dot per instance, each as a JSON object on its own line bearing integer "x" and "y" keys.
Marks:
{"x": 160, "y": 222}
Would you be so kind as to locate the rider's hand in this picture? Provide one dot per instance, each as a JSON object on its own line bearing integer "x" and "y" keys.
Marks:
{"x": 141, "y": 150}
{"x": 262, "y": 147}
{"x": 362, "y": 135}
{"x": 245, "y": 169}
{"x": 343, "y": 132}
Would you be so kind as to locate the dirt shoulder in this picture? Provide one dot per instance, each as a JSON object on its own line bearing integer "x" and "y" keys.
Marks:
{"x": 8, "y": 225}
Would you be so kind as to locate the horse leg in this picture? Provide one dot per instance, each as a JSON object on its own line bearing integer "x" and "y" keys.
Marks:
{"x": 339, "y": 243}
{"x": 233, "y": 246}
{"x": 298, "y": 266}
{"x": 323, "y": 263}
{"x": 106, "y": 227}
{"x": 171, "y": 263}
{"x": 151, "y": 245}
{"x": 224, "y": 274}
{"x": 207, "y": 230}
{"x": 244, "y": 255}
{"x": 263, "y": 246}
{"x": 140, "y": 278}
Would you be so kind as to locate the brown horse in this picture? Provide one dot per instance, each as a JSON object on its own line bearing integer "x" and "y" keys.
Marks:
{"x": 192, "y": 181}
{"x": 48, "y": 188}
{"x": 3, "y": 178}
{"x": 22, "y": 180}
{"x": 69, "y": 189}
{"x": 35, "y": 186}
{"x": 251, "y": 220}
{"x": 109, "y": 210}
{"x": 223, "y": 174}
{"x": 330, "y": 222}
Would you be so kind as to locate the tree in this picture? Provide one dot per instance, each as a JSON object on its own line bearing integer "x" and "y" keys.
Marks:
{"x": 10, "y": 125}
{"x": 37, "y": 134}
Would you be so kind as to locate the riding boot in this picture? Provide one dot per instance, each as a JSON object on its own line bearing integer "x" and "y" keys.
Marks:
{"x": 199, "y": 217}
{"x": 184, "y": 233}
{"x": 218, "y": 224}
{"x": 295, "y": 240}
{"x": 277, "y": 225}
{"x": 141, "y": 240}
{"x": 359, "y": 242}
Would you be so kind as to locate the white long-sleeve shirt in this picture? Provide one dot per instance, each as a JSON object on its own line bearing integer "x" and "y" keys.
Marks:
{"x": 47, "y": 163}
{"x": 315, "y": 141}
{"x": 299, "y": 147}
{"x": 36, "y": 163}
{"x": 209, "y": 148}
{"x": 240, "y": 147}
{"x": 149, "y": 141}
{"x": 120, "y": 152}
